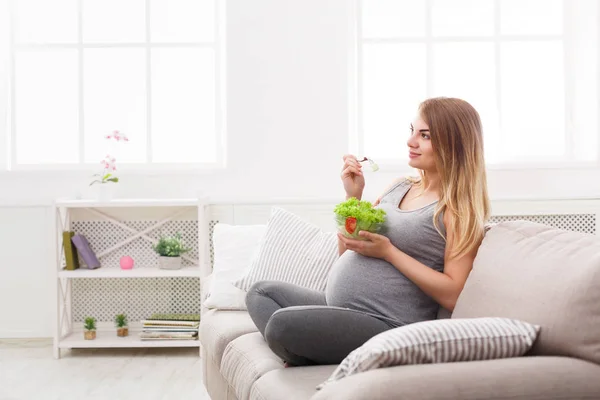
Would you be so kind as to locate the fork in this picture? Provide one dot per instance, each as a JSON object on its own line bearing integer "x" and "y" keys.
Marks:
{"x": 372, "y": 164}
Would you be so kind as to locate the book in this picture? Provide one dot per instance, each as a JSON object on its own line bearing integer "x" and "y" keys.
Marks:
{"x": 71, "y": 257}
{"x": 147, "y": 322}
{"x": 85, "y": 251}
{"x": 169, "y": 329}
{"x": 174, "y": 317}
{"x": 167, "y": 335}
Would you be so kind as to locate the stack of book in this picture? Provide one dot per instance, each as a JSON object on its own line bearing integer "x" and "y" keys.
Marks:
{"x": 170, "y": 327}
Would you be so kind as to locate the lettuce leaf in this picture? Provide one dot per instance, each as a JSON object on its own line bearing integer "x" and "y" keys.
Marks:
{"x": 363, "y": 211}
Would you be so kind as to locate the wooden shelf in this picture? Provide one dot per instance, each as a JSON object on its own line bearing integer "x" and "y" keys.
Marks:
{"x": 90, "y": 203}
{"x": 67, "y": 213}
{"x": 109, "y": 339}
{"x": 144, "y": 272}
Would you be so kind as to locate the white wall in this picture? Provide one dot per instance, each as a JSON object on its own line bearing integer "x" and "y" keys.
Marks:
{"x": 287, "y": 129}
{"x": 25, "y": 274}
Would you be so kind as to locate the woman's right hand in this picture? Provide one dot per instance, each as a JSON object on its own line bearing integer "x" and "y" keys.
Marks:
{"x": 352, "y": 177}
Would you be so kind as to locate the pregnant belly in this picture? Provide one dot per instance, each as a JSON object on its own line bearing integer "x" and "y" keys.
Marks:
{"x": 363, "y": 283}
{"x": 376, "y": 287}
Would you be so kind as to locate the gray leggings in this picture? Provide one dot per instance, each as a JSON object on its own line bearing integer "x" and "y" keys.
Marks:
{"x": 300, "y": 328}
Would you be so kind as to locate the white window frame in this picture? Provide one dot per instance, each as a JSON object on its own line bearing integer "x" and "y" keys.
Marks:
{"x": 355, "y": 73}
{"x": 4, "y": 86}
{"x": 8, "y": 134}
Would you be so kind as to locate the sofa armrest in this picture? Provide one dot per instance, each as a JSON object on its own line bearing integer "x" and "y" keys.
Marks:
{"x": 204, "y": 287}
{"x": 515, "y": 378}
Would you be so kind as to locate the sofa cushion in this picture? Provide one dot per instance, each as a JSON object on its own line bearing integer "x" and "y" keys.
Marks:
{"x": 439, "y": 341}
{"x": 218, "y": 328}
{"x": 205, "y": 283}
{"x": 297, "y": 383}
{"x": 234, "y": 248}
{"x": 531, "y": 378}
{"x": 292, "y": 250}
{"x": 541, "y": 275}
{"x": 245, "y": 360}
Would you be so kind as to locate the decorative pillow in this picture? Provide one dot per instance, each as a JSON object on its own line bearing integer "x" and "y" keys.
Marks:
{"x": 293, "y": 251}
{"x": 440, "y": 341}
{"x": 544, "y": 275}
{"x": 234, "y": 247}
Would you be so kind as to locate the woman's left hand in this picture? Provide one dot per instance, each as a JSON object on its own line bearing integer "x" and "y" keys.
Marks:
{"x": 376, "y": 246}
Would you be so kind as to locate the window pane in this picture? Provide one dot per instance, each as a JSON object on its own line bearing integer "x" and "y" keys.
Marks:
{"x": 183, "y": 105}
{"x": 531, "y": 17}
{"x": 584, "y": 60}
{"x": 463, "y": 17}
{"x": 467, "y": 71}
{"x": 393, "y": 18}
{"x": 44, "y": 21}
{"x": 393, "y": 86}
{"x": 533, "y": 121}
{"x": 114, "y": 21}
{"x": 182, "y": 20}
{"x": 46, "y": 107}
{"x": 115, "y": 99}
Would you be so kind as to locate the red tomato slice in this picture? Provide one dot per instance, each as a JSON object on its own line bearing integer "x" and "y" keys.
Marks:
{"x": 350, "y": 225}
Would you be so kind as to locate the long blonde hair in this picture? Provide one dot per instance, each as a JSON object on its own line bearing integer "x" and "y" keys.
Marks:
{"x": 457, "y": 141}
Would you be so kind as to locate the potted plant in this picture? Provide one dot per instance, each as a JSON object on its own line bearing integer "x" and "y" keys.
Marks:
{"x": 121, "y": 323}
{"x": 170, "y": 249}
{"x": 90, "y": 328}
{"x": 106, "y": 180}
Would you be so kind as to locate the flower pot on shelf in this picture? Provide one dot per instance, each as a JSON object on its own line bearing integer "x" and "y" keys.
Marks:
{"x": 121, "y": 324}
{"x": 105, "y": 191}
{"x": 89, "y": 328}
{"x": 169, "y": 262}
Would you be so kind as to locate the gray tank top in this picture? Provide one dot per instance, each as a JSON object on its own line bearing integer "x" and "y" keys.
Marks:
{"x": 375, "y": 286}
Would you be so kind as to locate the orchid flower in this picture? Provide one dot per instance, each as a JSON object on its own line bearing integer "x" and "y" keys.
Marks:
{"x": 118, "y": 136}
{"x": 109, "y": 163}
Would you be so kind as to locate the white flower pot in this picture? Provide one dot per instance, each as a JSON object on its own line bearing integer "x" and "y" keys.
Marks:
{"x": 169, "y": 262}
{"x": 105, "y": 191}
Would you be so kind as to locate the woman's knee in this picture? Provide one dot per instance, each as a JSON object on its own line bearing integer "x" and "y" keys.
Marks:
{"x": 261, "y": 288}
{"x": 278, "y": 325}
{"x": 258, "y": 290}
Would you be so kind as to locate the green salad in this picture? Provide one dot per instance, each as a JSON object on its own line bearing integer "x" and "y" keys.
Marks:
{"x": 355, "y": 215}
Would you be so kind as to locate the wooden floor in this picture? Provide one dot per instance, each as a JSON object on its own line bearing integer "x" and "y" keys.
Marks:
{"x": 29, "y": 371}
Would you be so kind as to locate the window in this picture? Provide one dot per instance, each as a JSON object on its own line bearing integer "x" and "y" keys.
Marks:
{"x": 80, "y": 69}
{"x": 530, "y": 67}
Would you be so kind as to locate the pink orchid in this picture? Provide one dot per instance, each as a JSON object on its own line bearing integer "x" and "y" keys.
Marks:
{"x": 118, "y": 136}
{"x": 109, "y": 162}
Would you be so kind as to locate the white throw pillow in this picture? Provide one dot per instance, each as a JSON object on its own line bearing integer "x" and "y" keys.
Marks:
{"x": 440, "y": 341}
{"x": 293, "y": 251}
{"x": 234, "y": 247}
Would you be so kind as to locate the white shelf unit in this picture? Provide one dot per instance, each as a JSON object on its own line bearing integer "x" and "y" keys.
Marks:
{"x": 146, "y": 272}
{"x": 69, "y": 212}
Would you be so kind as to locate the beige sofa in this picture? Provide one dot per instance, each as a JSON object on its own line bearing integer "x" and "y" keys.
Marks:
{"x": 523, "y": 270}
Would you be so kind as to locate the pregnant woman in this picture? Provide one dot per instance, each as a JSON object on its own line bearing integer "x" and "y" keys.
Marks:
{"x": 434, "y": 226}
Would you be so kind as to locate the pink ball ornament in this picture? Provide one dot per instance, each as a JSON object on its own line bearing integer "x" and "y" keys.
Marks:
{"x": 126, "y": 262}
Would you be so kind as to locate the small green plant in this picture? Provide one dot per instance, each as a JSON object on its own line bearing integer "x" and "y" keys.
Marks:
{"x": 170, "y": 246}
{"x": 90, "y": 324}
{"x": 121, "y": 320}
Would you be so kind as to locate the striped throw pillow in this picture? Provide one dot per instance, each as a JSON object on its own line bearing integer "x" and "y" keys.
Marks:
{"x": 293, "y": 251}
{"x": 440, "y": 341}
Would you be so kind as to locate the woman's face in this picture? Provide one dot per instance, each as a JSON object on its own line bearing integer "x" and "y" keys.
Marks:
{"x": 420, "y": 150}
